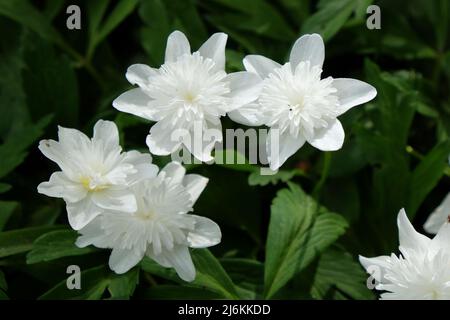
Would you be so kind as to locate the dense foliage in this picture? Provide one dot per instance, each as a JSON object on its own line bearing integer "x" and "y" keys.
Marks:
{"x": 294, "y": 235}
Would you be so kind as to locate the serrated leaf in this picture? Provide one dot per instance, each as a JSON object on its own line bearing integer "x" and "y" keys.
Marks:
{"x": 55, "y": 245}
{"x": 257, "y": 179}
{"x": 122, "y": 286}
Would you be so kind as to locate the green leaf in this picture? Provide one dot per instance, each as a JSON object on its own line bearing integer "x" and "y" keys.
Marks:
{"x": 21, "y": 240}
{"x": 327, "y": 228}
{"x": 257, "y": 179}
{"x": 245, "y": 273}
{"x": 427, "y": 174}
{"x": 291, "y": 217}
{"x": 4, "y": 187}
{"x": 338, "y": 273}
{"x": 94, "y": 282}
{"x": 3, "y": 284}
{"x": 54, "y": 245}
{"x": 122, "y": 286}
{"x": 7, "y": 208}
{"x": 210, "y": 273}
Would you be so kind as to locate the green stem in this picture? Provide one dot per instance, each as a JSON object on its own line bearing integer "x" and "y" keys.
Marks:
{"x": 323, "y": 176}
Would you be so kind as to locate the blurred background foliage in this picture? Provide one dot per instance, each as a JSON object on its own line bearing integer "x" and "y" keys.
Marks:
{"x": 293, "y": 235}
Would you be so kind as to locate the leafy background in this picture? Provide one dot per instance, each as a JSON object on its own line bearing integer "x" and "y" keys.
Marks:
{"x": 295, "y": 235}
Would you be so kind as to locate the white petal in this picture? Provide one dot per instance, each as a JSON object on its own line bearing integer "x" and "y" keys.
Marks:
{"x": 442, "y": 239}
{"x": 136, "y": 102}
{"x": 139, "y": 74}
{"x": 59, "y": 186}
{"x": 409, "y": 237}
{"x": 201, "y": 146}
{"x": 160, "y": 141}
{"x": 352, "y": 92}
{"x": 309, "y": 47}
{"x": 438, "y": 217}
{"x": 248, "y": 115}
{"x": 82, "y": 212}
{"x": 69, "y": 138}
{"x": 206, "y": 233}
{"x": 330, "y": 138}
{"x": 106, "y": 132}
{"x": 245, "y": 88}
{"x": 174, "y": 171}
{"x": 118, "y": 200}
{"x": 375, "y": 266}
{"x": 177, "y": 45}
{"x": 279, "y": 150}
{"x": 180, "y": 259}
{"x": 260, "y": 65}
{"x": 194, "y": 184}
{"x": 214, "y": 49}
{"x": 93, "y": 234}
{"x": 122, "y": 260}
{"x": 143, "y": 163}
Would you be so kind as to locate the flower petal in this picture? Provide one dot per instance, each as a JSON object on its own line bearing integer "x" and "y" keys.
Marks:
{"x": 143, "y": 163}
{"x": 214, "y": 49}
{"x": 180, "y": 259}
{"x": 309, "y": 47}
{"x": 137, "y": 102}
{"x": 438, "y": 217}
{"x": 82, "y": 212}
{"x": 330, "y": 138}
{"x": 248, "y": 115}
{"x": 352, "y": 92}
{"x": 279, "y": 150}
{"x": 106, "y": 132}
{"x": 441, "y": 242}
{"x": 245, "y": 88}
{"x": 206, "y": 233}
{"x": 93, "y": 234}
{"x": 177, "y": 45}
{"x": 409, "y": 237}
{"x": 59, "y": 186}
{"x": 70, "y": 138}
{"x": 174, "y": 171}
{"x": 371, "y": 265}
{"x": 260, "y": 65}
{"x": 115, "y": 199}
{"x": 194, "y": 184}
{"x": 139, "y": 74}
{"x": 201, "y": 145}
{"x": 122, "y": 260}
{"x": 160, "y": 140}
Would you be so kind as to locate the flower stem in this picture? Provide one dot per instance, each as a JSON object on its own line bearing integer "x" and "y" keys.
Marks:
{"x": 323, "y": 176}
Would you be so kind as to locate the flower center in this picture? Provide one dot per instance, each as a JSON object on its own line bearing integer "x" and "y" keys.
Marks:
{"x": 91, "y": 185}
{"x": 298, "y": 101}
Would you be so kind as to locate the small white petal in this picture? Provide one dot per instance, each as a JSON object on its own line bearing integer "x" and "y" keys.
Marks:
{"x": 248, "y": 115}
{"x": 442, "y": 239}
{"x": 214, "y": 49}
{"x": 106, "y": 132}
{"x": 206, "y": 233}
{"x": 119, "y": 200}
{"x": 140, "y": 74}
{"x": 92, "y": 234}
{"x": 375, "y": 266}
{"x": 122, "y": 260}
{"x": 278, "y": 153}
{"x": 160, "y": 141}
{"x": 245, "y": 87}
{"x": 142, "y": 162}
{"x": 438, "y": 217}
{"x": 174, "y": 171}
{"x": 136, "y": 102}
{"x": 201, "y": 148}
{"x": 180, "y": 259}
{"x": 352, "y": 92}
{"x": 194, "y": 184}
{"x": 68, "y": 137}
{"x": 82, "y": 212}
{"x": 59, "y": 186}
{"x": 260, "y": 65}
{"x": 409, "y": 237}
{"x": 309, "y": 47}
{"x": 177, "y": 45}
{"x": 330, "y": 138}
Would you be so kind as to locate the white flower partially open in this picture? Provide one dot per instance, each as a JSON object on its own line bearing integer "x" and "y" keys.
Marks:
{"x": 95, "y": 174}
{"x": 298, "y": 103}
{"x": 421, "y": 272}
{"x": 161, "y": 228}
{"x": 188, "y": 88}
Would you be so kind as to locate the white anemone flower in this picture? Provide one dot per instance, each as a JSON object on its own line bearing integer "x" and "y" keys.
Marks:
{"x": 161, "y": 228}
{"x": 95, "y": 174}
{"x": 300, "y": 105}
{"x": 421, "y": 272}
{"x": 188, "y": 90}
